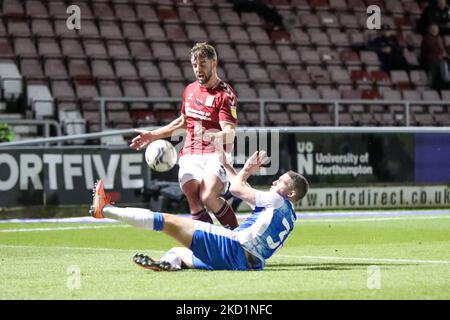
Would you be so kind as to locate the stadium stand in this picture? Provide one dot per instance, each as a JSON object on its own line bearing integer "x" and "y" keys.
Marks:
{"x": 140, "y": 48}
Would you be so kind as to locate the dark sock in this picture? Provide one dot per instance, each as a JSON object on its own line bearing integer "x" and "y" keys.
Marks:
{"x": 227, "y": 217}
{"x": 202, "y": 215}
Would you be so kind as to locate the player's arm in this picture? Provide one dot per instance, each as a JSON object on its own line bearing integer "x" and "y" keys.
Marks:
{"x": 226, "y": 136}
{"x": 145, "y": 137}
{"x": 239, "y": 186}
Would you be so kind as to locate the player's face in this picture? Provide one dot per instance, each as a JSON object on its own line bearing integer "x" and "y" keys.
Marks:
{"x": 203, "y": 69}
{"x": 283, "y": 185}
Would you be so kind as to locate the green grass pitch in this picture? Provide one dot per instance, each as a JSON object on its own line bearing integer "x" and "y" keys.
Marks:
{"x": 351, "y": 258}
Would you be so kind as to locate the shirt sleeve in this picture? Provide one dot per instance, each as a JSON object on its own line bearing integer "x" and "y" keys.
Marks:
{"x": 228, "y": 107}
{"x": 268, "y": 199}
{"x": 183, "y": 111}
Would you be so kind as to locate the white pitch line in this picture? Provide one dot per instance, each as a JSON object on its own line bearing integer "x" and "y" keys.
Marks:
{"x": 6, "y": 246}
{"x": 366, "y": 259}
{"x": 62, "y": 228}
{"x": 356, "y": 219}
{"x": 380, "y": 260}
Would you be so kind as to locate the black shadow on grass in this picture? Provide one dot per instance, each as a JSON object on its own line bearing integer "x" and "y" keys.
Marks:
{"x": 328, "y": 266}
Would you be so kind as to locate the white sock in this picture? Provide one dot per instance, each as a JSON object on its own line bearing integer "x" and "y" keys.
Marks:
{"x": 138, "y": 217}
{"x": 173, "y": 258}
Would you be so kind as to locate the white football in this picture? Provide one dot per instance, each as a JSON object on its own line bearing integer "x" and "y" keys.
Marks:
{"x": 161, "y": 155}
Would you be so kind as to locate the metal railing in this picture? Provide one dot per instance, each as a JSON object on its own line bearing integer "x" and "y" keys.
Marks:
{"x": 263, "y": 102}
{"x": 323, "y": 130}
{"x": 45, "y": 123}
{"x": 262, "y": 109}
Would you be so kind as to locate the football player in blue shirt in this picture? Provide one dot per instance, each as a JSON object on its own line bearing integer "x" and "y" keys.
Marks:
{"x": 211, "y": 247}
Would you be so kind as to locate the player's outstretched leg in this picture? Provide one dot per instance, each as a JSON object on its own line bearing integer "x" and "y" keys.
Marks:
{"x": 138, "y": 217}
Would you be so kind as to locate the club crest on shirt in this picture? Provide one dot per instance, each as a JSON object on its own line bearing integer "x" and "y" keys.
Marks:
{"x": 209, "y": 101}
{"x": 190, "y": 96}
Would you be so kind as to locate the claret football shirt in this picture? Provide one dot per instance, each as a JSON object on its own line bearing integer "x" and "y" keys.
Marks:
{"x": 206, "y": 107}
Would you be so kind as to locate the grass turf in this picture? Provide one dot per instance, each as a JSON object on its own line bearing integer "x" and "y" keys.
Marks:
{"x": 322, "y": 260}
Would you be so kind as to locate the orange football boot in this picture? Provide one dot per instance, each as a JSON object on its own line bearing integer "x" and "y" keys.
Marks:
{"x": 100, "y": 200}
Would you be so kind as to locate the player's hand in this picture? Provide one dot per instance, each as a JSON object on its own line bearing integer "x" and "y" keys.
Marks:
{"x": 256, "y": 161}
{"x": 205, "y": 135}
{"x": 142, "y": 139}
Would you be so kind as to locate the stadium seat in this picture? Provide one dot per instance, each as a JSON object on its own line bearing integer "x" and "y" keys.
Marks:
{"x": 31, "y": 69}
{"x": 278, "y": 119}
{"x": 117, "y": 49}
{"x": 319, "y": 38}
{"x": 124, "y": 69}
{"x": 163, "y": 51}
{"x": 95, "y": 49}
{"x": 197, "y": 33}
{"x": 175, "y": 32}
{"x": 433, "y": 95}
{"x": 419, "y": 78}
{"x": 299, "y": 76}
{"x": 208, "y": 15}
{"x": 109, "y": 88}
{"x": 299, "y": 37}
{"x": 278, "y": 75}
{"x": 124, "y": 11}
{"x": 369, "y": 58}
{"x": 338, "y": 38}
{"x": 340, "y": 76}
{"x": 102, "y": 10}
{"x": 319, "y": 76}
{"x": 238, "y": 34}
{"x": 24, "y": 47}
{"x": 145, "y": 11}
{"x": 102, "y": 69}
{"x": 89, "y": 29}
{"x": 72, "y": 48}
{"x": 42, "y": 27}
{"x": 349, "y": 57}
{"x": 309, "y": 56}
{"x": 35, "y": 8}
{"x": 11, "y": 85}
{"x": 257, "y": 73}
{"x": 54, "y": 68}
{"x": 243, "y": 90}
{"x": 171, "y": 71}
{"x": 49, "y": 47}
{"x": 62, "y": 90}
{"x": 247, "y": 54}
{"x": 258, "y": 36}
{"x": 40, "y": 100}
{"x": 139, "y": 50}
{"x": 56, "y": 8}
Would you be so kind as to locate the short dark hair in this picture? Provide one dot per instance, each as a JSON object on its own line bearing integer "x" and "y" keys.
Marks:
{"x": 299, "y": 184}
{"x": 204, "y": 50}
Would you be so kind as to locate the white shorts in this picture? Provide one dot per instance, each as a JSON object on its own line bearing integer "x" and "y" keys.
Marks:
{"x": 196, "y": 166}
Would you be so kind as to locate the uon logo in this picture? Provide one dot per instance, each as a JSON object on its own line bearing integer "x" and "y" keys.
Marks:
{"x": 305, "y": 157}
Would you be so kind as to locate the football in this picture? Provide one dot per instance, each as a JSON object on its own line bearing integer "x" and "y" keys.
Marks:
{"x": 161, "y": 155}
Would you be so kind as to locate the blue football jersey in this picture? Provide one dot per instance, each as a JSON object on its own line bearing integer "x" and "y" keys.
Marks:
{"x": 270, "y": 224}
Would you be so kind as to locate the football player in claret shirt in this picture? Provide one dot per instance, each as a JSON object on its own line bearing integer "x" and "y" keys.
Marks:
{"x": 208, "y": 114}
